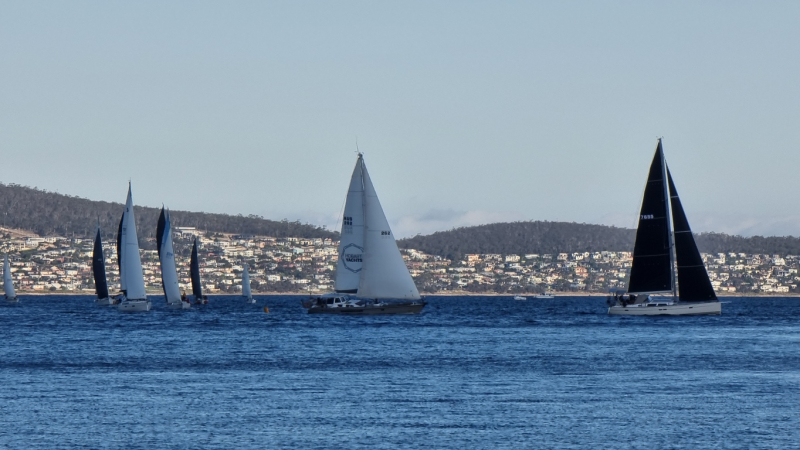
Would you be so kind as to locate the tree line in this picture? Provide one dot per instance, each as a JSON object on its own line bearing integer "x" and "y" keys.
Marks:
{"x": 543, "y": 237}
{"x": 49, "y": 213}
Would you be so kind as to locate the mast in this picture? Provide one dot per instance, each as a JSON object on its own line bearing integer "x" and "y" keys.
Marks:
{"x": 669, "y": 225}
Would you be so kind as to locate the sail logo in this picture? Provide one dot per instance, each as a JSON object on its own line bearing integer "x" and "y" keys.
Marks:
{"x": 351, "y": 257}
{"x": 647, "y": 216}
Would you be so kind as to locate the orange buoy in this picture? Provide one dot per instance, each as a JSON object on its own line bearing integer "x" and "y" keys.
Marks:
{"x": 266, "y": 309}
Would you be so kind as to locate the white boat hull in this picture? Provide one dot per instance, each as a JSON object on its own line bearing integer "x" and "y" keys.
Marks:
{"x": 134, "y": 306}
{"x": 671, "y": 309}
{"x": 11, "y": 299}
{"x": 249, "y": 300}
{"x": 179, "y": 305}
{"x": 105, "y": 301}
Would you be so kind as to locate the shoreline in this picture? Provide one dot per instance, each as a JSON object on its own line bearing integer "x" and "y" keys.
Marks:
{"x": 435, "y": 294}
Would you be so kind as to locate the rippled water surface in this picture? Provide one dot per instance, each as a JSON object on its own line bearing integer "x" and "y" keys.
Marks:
{"x": 469, "y": 372}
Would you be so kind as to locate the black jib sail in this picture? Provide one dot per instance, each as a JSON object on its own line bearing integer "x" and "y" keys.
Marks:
{"x": 693, "y": 282}
{"x": 651, "y": 269}
{"x": 197, "y": 289}
{"x": 162, "y": 223}
{"x": 99, "y": 268}
{"x": 119, "y": 252}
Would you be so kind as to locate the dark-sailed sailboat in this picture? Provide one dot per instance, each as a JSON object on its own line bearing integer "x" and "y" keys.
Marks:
{"x": 197, "y": 288}
{"x": 99, "y": 272}
{"x": 660, "y": 246}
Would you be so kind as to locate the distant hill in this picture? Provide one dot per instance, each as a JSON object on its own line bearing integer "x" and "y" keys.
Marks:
{"x": 555, "y": 237}
{"x": 49, "y": 213}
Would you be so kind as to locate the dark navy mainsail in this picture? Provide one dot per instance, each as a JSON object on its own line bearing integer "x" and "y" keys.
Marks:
{"x": 651, "y": 269}
{"x": 162, "y": 223}
{"x": 119, "y": 255}
{"x": 99, "y": 268}
{"x": 197, "y": 289}
{"x": 693, "y": 282}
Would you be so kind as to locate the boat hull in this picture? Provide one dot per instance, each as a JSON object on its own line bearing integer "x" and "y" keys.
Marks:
{"x": 371, "y": 310}
{"x": 107, "y": 301}
{"x": 11, "y": 299}
{"x": 677, "y": 309}
{"x": 179, "y": 305}
{"x": 134, "y": 306}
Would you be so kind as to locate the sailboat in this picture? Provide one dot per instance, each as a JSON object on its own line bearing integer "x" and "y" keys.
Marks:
{"x": 194, "y": 270}
{"x": 370, "y": 269}
{"x": 658, "y": 250}
{"x": 99, "y": 272}
{"x": 246, "y": 293}
{"x": 8, "y": 283}
{"x": 166, "y": 257}
{"x": 134, "y": 297}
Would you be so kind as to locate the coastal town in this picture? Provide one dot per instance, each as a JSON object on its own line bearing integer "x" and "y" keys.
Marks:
{"x": 301, "y": 265}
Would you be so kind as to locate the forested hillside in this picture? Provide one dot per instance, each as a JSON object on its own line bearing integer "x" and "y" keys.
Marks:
{"x": 49, "y": 213}
{"x": 556, "y": 237}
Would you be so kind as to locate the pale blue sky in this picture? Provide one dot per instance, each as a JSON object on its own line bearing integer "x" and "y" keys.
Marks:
{"x": 467, "y": 112}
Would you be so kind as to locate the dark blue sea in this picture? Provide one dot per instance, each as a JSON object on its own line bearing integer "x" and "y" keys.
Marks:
{"x": 468, "y": 373}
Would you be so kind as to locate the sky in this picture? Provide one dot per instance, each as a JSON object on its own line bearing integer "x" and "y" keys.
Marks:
{"x": 466, "y": 112}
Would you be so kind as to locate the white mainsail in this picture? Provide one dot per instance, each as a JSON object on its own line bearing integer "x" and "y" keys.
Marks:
{"x": 384, "y": 274}
{"x": 8, "y": 282}
{"x": 246, "y": 283}
{"x": 169, "y": 274}
{"x": 351, "y": 244}
{"x": 131, "y": 261}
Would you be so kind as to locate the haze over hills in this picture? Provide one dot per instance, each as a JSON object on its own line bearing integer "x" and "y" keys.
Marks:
{"x": 50, "y": 213}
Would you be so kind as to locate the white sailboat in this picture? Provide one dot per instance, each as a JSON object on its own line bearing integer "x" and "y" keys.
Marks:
{"x": 246, "y": 292}
{"x": 134, "y": 297}
{"x": 99, "y": 272}
{"x": 659, "y": 250}
{"x": 166, "y": 257}
{"x": 8, "y": 282}
{"x": 370, "y": 269}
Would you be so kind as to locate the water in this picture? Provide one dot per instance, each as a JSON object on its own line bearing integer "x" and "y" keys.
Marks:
{"x": 468, "y": 373}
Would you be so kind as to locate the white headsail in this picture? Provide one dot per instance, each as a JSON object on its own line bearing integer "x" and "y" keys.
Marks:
{"x": 351, "y": 243}
{"x": 246, "y": 283}
{"x": 8, "y": 282}
{"x": 131, "y": 261}
{"x": 384, "y": 273}
{"x": 169, "y": 274}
